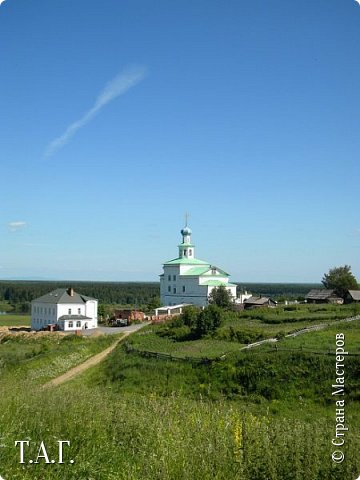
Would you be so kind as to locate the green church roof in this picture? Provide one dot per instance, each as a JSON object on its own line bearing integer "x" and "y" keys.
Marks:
{"x": 218, "y": 283}
{"x": 186, "y": 261}
{"x": 197, "y": 271}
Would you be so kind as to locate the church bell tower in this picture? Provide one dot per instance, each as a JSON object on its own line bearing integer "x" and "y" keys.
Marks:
{"x": 186, "y": 248}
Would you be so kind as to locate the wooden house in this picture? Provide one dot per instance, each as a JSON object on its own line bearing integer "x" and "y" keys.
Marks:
{"x": 256, "y": 302}
{"x": 323, "y": 295}
{"x": 352, "y": 296}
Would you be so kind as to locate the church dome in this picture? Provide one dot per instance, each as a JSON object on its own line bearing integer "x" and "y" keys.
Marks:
{"x": 186, "y": 231}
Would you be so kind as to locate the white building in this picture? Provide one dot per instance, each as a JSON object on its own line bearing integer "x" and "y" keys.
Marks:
{"x": 189, "y": 280}
{"x": 64, "y": 308}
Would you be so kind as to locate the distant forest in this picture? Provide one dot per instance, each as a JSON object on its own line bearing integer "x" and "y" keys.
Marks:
{"x": 135, "y": 294}
{"x": 279, "y": 291}
{"x": 21, "y": 293}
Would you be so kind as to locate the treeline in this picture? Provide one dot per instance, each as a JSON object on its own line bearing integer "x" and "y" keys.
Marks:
{"x": 136, "y": 294}
{"x": 21, "y": 293}
{"x": 279, "y": 291}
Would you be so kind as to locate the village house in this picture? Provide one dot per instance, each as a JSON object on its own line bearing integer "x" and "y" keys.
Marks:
{"x": 323, "y": 295}
{"x": 256, "y": 302}
{"x": 64, "y": 309}
{"x": 352, "y": 296}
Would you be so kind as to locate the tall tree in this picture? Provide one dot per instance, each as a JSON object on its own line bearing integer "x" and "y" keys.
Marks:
{"x": 190, "y": 316}
{"x": 340, "y": 279}
{"x": 221, "y": 297}
{"x": 208, "y": 320}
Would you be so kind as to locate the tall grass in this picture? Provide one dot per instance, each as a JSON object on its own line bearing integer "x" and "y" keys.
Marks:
{"x": 38, "y": 358}
{"x": 152, "y": 438}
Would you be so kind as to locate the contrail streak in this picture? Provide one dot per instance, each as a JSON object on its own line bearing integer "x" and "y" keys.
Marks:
{"x": 116, "y": 87}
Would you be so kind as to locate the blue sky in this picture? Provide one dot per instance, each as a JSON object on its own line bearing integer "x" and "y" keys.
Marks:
{"x": 118, "y": 117}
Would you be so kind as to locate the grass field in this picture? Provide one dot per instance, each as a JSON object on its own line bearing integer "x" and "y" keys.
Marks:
{"x": 258, "y": 415}
{"x": 35, "y": 358}
{"x": 14, "y": 320}
{"x": 324, "y": 341}
{"x": 149, "y": 340}
{"x": 246, "y": 327}
{"x": 150, "y": 438}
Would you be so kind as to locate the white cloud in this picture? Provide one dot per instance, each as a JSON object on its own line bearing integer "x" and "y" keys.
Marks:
{"x": 116, "y": 87}
{"x": 14, "y": 226}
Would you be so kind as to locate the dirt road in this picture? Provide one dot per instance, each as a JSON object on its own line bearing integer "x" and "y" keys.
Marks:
{"x": 73, "y": 372}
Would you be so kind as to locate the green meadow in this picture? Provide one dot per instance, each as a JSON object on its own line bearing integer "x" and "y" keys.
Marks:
{"x": 13, "y": 320}
{"x": 259, "y": 414}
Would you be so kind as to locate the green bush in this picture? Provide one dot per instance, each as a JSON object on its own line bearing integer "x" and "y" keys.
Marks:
{"x": 190, "y": 316}
{"x": 240, "y": 334}
{"x": 208, "y": 320}
{"x": 177, "y": 334}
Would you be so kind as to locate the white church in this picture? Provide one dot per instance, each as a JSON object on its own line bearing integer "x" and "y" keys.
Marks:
{"x": 188, "y": 280}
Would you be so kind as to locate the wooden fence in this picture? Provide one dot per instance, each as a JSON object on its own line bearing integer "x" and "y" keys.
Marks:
{"x": 166, "y": 356}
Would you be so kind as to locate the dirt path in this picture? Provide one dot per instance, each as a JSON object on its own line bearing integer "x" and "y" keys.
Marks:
{"x": 73, "y": 372}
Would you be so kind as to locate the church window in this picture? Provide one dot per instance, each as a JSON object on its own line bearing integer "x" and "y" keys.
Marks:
{"x": 169, "y": 278}
{"x": 174, "y": 278}
{"x": 185, "y": 252}
{"x": 169, "y": 288}
{"x": 190, "y": 251}
{"x": 174, "y": 290}
{"x": 183, "y": 288}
